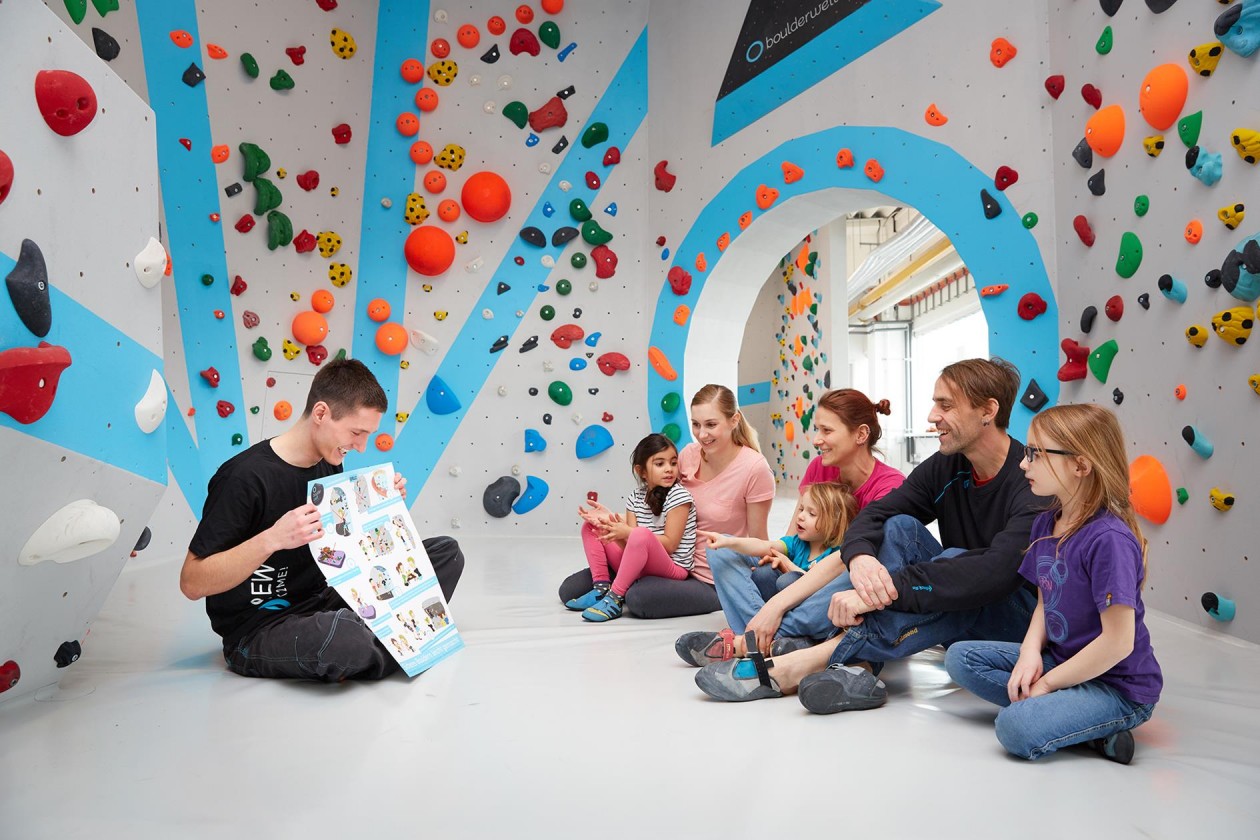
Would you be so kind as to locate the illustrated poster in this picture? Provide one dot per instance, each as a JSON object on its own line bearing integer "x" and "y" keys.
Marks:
{"x": 372, "y": 555}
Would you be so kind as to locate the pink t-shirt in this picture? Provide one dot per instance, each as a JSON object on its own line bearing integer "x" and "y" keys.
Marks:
{"x": 722, "y": 501}
{"x": 882, "y": 480}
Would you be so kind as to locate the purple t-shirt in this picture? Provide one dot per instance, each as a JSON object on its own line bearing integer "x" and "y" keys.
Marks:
{"x": 882, "y": 480}
{"x": 1100, "y": 565}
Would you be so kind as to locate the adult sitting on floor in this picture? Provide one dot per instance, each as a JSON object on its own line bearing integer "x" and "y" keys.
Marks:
{"x": 970, "y": 590}
{"x": 732, "y": 488}
{"x": 789, "y": 611}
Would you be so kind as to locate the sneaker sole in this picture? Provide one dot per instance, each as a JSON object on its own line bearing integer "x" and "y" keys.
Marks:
{"x": 828, "y": 697}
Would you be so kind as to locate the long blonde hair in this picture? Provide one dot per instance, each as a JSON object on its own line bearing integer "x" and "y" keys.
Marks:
{"x": 1093, "y": 433}
{"x": 836, "y": 509}
{"x": 721, "y": 396}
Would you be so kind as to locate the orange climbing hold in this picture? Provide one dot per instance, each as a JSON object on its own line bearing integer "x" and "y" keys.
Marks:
{"x": 1150, "y": 489}
{"x": 220, "y": 153}
{"x": 421, "y": 152}
{"x": 282, "y": 410}
{"x": 435, "y": 182}
{"x": 412, "y": 71}
{"x": 660, "y": 363}
{"x": 552, "y": 7}
{"x": 766, "y": 196}
{"x": 1163, "y": 95}
{"x": 1194, "y": 231}
{"x": 1001, "y": 51}
{"x": 681, "y": 314}
{"x": 791, "y": 172}
{"x": 701, "y": 263}
{"x": 182, "y": 38}
{"x": 994, "y": 290}
{"x": 789, "y": 431}
{"x": 468, "y": 36}
{"x": 745, "y": 219}
{"x": 723, "y": 241}
{"x": 391, "y": 338}
{"x": 309, "y": 327}
{"x": 844, "y": 158}
{"x": 408, "y": 124}
{"x": 384, "y": 441}
{"x": 933, "y": 116}
{"x": 873, "y": 170}
{"x": 1104, "y": 131}
{"x": 216, "y": 52}
{"x": 322, "y": 301}
{"x": 448, "y": 210}
{"x": 426, "y": 99}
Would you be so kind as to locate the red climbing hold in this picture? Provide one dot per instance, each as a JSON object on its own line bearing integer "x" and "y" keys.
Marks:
{"x": 10, "y": 674}
{"x": 551, "y": 115}
{"x": 212, "y": 376}
{"x": 1092, "y": 95}
{"x": 308, "y": 180}
{"x": 6, "y": 176}
{"x": 224, "y": 408}
{"x": 606, "y": 417}
{"x": 1077, "y": 361}
{"x": 605, "y": 261}
{"x": 679, "y": 280}
{"x": 245, "y": 223}
{"x": 239, "y": 286}
{"x": 186, "y": 143}
{"x": 563, "y": 337}
{"x": 1055, "y": 85}
{"x": 664, "y": 180}
{"x": 610, "y": 363}
{"x": 592, "y": 181}
{"x": 1084, "y": 231}
{"x": 1114, "y": 307}
{"x": 28, "y": 380}
{"x": 341, "y": 134}
{"x": 1005, "y": 177}
{"x": 524, "y": 41}
{"x": 317, "y": 353}
{"x": 660, "y": 242}
{"x": 1031, "y": 305}
{"x": 612, "y": 156}
{"x": 326, "y": 5}
{"x": 296, "y": 54}
{"x": 304, "y": 242}
{"x": 65, "y": 100}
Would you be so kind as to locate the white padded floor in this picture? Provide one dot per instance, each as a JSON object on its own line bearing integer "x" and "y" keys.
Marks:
{"x": 546, "y": 726}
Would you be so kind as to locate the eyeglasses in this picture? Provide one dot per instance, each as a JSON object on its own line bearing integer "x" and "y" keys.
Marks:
{"x": 1031, "y": 452}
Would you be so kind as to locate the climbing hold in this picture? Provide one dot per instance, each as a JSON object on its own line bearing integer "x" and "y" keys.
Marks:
{"x": 1231, "y": 215}
{"x": 439, "y": 397}
{"x": 250, "y": 65}
{"x": 564, "y": 235}
{"x": 1001, "y": 51}
{"x": 499, "y": 496}
{"x": 873, "y": 170}
{"x": 435, "y": 182}
{"x": 1221, "y": 500}
{"x": 1114, "y": 307}
{"x": 1194, "y": 231}
{"x": 592, "y": 441}
{"x": 212, "y": 376}
{"x": 150, "y": 263}
{"x": 342, "y": 134}
{"x": 1239, "y": 28}
{"x": 107, "y": 49}
{"x": 65, "y": 100}
{"x": 408, "y": 124}
{"x": 671, "y": 402}
{"x": 67, "y": 654}
{"x": 339, "y": 274}
{"x": 384, "y": 442}
{"x": 29, "y": 378}
{"x": 1005, "y": 177}
{"x": 933, "y": 116}
{"x": 1240, "y": 272}
{"x": 317, "y": 353}
{"x": 282, "y": 80}
{"x": 415, "y": 211}
{"x": 1172, "y": 288}
{"x": 429, "y": 250}
{"x": 1081, "y": 225}
{"x": 990, "y": 205}
{"x": 1029, "y": 220}
{"x": 451, "y": 158}
{"x": 1149, "y": 489}
{"x": 151, "y": 409}
{"x": 664, "y": 180}
{"x": 578, "y": 210}
{"x": 1246, "y": 143}
{"x": 296, "y": 54}
{"x": 534, "y": 442}
{"x": 1097, "y": 182}
{"x": 1105, "y": 41}
{"x": 578, "y": 260}
{"x": 791, "y": 172}
{"x": 193, "y": 76}
{"x": 1031, "y": 305}
{"x": 524, "y": 41}
{"x": 304, "y": 242}
{"x": 1180, "y": 392}
{"x": 1205, "y": 166}
{"x": 500, "y": 343}
{"x": 1034, "y": 399}
{"x": 262, "y": 351}
{"x": 552, "y": 114}
{"x": 1183, "y": 495}
{"x": 329, "y": 243}
{"x": 1162, "y": 95}
{"x": 563, "y": 337}
{"x": 1104, "y": 131}
{"x": 593, "y": 234}
{"x": 560, "y": 393}
{"x": 660, "y": 363}
{"x": 533, "y": 236}
{"x": 530, "y": 344}
{"x": 1200, "y": 444}
{"x": 1141, "y": 205}
{"x": 1092, "y": 96}
{"x": 342, "y": 43}
{"x": 77, "y": 530}
{"x": 256, "y": 162}
{"x": 1100, "y": 360}
{"x": 1204, "y": 58}
{"x": 1154, "y": 145}
{"x": 1218, "y": 606}
{"x": 245, "y": 223}
{"x": 1087, "y": 318}
{"x": 549, "y": 34}
{"x": 1188, "y": 129}
{"x": 1234, "y": 325}
{"x": 442, "y": 73}
{"x": 28, "y": 289}
{"x": 535, "y": 490}
{"x": 378, "y": 310}
{"x": 1196, "y": 334}
{"x": 1144, "y": 300}
{"x": 679, "y": 280}
{"x": 1130, "y": 256}
{"x": 517, "y": 113}
{"x": 1076, "y": 365}
{"x": 1117, "y": 396}
{"x": 610, "y": 363}
{"x": 994, "y": 290}
{"x": 1083, "y": 154}
{"x": 279, "y": 230}
{"x": 267, "y": 196}
{"x": 1055, "y": 85}
{"x": 844, "y": 158}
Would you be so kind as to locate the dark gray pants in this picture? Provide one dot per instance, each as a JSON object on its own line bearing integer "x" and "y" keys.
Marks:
{"x": 651, "y": 596}
{"x": 325, "y": 640}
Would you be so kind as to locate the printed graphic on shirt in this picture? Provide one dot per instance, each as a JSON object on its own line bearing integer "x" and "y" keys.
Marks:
{"x": 1052, "y": 574}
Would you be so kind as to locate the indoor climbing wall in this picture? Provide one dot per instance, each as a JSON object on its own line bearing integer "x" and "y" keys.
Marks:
{"x": 82, "y": 398}
{"x": 1154, "y": 148}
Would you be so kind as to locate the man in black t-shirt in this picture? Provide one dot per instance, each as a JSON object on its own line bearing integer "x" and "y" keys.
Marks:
{"x": 249, "y": 557}
{"x": 908, "y": 593}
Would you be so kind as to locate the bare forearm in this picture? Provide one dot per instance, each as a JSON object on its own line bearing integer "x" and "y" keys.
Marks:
{"x": 203, "y": 576}
{"x": 1095, "y": 659}
{"x": 750, "y": 546}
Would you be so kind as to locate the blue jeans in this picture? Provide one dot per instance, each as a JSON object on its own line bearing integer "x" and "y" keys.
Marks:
{"x": 893, "y": 634}
{"x": 770, "y": 582}
{"x": 736, "y": 577}
{"x": 1039, "y": 726}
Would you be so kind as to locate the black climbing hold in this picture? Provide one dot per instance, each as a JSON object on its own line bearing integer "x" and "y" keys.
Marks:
{"x": 991, "y": 208}
{"x": 1110, "y": 7}
{"x": 232, "y": 189}
{"x": 67, "y": 654}
{"x": 530, "y": 344}
{"x": 1034, "y": 398}
{"x": 1161, "y": 6}
{"x": 1165, "y": 283}
{"x": 533, "y": 236}
{"x": 533, "y": 392}
{"x": 564, "y": 234}
{"x": 561, "y": 145}
{"x": 1213, "y": 279}
{"x": 1097, "y": 182}
{"x": 577, "y": 312}
{"x": 594, "y": 392}
{"x": 1226, "y": 21}
{"x": 491, "y": 55}
{"x": 1144, "y": 300}
{"x": 499, "y": 496}
{"x": 1192, "y": 157}
{"x": 502, "y": 287}
{"x": 106, "y": 45}
{"x": 1083, "y": 154}
{"x": 317, "y": 493}
{"x": 28, "y": 288}
{"x": 547, "y": 419}
{"x": 1087, "y": 318}
{"x": 145, "y": 537}
{"x": 567, "y": 92}
{"x": 499, "y": 344}
{"x": 1117, "y": 396}
{"x": 193, "y": 75}
{"x": 827, "y": 380}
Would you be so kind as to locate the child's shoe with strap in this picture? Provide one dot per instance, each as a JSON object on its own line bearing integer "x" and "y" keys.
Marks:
{"x": 608, "y": 608}
{"x": 588, "y": 600}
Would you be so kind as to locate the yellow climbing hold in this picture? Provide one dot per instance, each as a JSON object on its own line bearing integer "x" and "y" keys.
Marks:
{"x": 291, "y": 350}
{"x": 1246, "y": 142}
{"x": 451, "y": 157}
{"x": 441, "y": 314}
{"x": 442, "y": 73}
{"x": 1232, "y": 215}
{"x": 339, "y": 274}
{"x": 343, "y": 45}
{"x": 329, "y": 243}
{"x": 415, "y": 212}
{"x": 1154, "y": 144}
{"x": 1204, "y": 58}
{"x": 462, "y": 237}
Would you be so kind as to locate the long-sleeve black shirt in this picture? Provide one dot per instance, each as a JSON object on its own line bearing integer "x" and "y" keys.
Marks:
{"x": 991, "y": 522}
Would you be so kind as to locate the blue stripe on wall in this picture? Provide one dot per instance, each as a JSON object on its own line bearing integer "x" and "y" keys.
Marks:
{"x": 755, "y": 393}
{"x": 190, "y": 194}
{"x": 93, "y": 412}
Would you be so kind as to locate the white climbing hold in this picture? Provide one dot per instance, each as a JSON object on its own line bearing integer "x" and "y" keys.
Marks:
{"x": 80, "y": 529}
{"x": 548, "y": 367}
{"x": 440, "y": 15}
{"x": 548, "y": 261}
{"x": 424, "y": 342}
{"x": 474, "y": 79}
{"x": 455, "y": 523}
{"x": 516, "y": 469}
{"x": 151, "y": 409}
{"x": 150, "y": 264}
{"x": 491, "y": 107}
{"x": 505, "y": 82}
{"x": 565, "y": 186}
{"x": 387, "y": 202}
{"x": 594, "y": 286}
{"x": 475, "y": 265}
{"x": 455, "y": 471}
{"x": 502, "y": 391}
{"x": 576, "y": 418}
{"x": 487, "y": 314}
{"x": 544, "y": 168}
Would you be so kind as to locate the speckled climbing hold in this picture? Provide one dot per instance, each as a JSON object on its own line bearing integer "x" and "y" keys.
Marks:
{"x": 339, "y": 274}
{"x": 1076, "y": 365}
{"x": 1034, "y": 399}
{"x": 610, "y": 363}
{"x": 1246, "y": 143}
{"x": 499, "y": 496}
{"x": 1154, "y": 145}
{"x": 593, "y": 440}
{"x": 1197, "y": 441}
{"x": 1130, "y": 257}
{"x": 1194, "y": 231}
{"x": 560, "y": 393}
{"x": 1083, "y": 154}
{"x": 1197, "y": 335}
{"x": 1206, "y": 166}
{"x": 442, "y": 73}
{"x": 1001, "y": 51}
{"x": 1087, "y": 318}
{"x": 990, "y": 205}
{"x": 342, "y": 43}
{"x": 1029, "y": 220}
{"x": 28, "y": 289}
{"x": 1092, "y": 96}
{"x": 1254, "y": 382}
{"x": 1086, "y": 233}
{"x": 1105, "y": 41}
{"x": 65, "y": 100}
{"x": 1188, "y": 129}
{"x": 1100, "y": 360}
{"x": 1055, "y": 85}
{"x": 605, "y": 260}
{"x": 593, "y": 234}
{"x": 1231, "y": 215}
{"x": 106, "y": 45}
{"x": 1239, "y": 28}
{"x": 660, "y": 363}
{"x": 1233, "y": 326}
{"x": 267, "y": 196}
{"x": 1141, "y": 205}
{"x": 279, "y": 230}
{"x": 1149, "y": 489}
{"x": 451, "y": 158}
{"x": 1204, "y": 58}
{"x": 1030, "y": 306}
{"x": 1097, "y": 182}
{"x": 1162, "y": 95}
{"x": 1172, "y": 288}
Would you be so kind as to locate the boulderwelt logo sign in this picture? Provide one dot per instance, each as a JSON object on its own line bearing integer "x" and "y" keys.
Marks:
{"x": 774, "y": 29}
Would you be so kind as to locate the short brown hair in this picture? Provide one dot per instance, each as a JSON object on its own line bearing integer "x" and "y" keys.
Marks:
{"x": 346, "y": 385}
{"x": 981, "y": 380}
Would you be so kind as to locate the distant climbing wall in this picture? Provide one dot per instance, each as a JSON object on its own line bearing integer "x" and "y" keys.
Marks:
{"x": 83, "y": 427}
{"x": 1154, "y": 286}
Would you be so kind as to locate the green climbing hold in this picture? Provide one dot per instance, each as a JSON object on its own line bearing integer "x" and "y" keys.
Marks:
{"x": 813, "y": 309}
{"x": 808, "y": 416}
{"x": 578, "y": 210}
{"x": 237, "y": 439}
{"x": 1183, "y": 495}
{"x": 595, "y": 134}
{"x": 1141, "y": 204}
{"x": 256, "y": 161}
{"x": 578, "y": 260}
{"x": 341, "y": 354}
{"x": 549, "y": 34}
{"x": 282, "y": 81}
{"x": 547, "y": 312}
{"x": 517, "y": 112}
{"x": 671, "y": 402}
{"x": 250, "y": 64}
{"x": 1029, "y": 220}
{"x": 560, "y": 393}
{"x": 77, "y": 9}
{"x": 1130, "y": 255}
{"x": 672, "y": 431}
{"x": 1100, "y": 360}
{"x": 279, "y": 230}
{"x": 261, "y": 351}
{"x": 807, "y": 363}
{"x": 267, "y": 196}
{"x": 564, "y": 287}
{"x": 1188, "y": 128}
{"x": 1105, "y": 42}
{"x": 594, "y": 234}
{"x": 104, "y": 7}
{"x": 253, "y": 409}
{"x": 207, "y": 279}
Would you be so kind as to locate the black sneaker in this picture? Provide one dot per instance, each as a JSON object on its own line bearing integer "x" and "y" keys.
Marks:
{"x": 1117, "y": 747}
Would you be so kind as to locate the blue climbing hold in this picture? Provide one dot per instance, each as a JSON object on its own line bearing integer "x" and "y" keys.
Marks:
{"x": 1218, "y": 606}
{"x": 592, "y": 441}
{"x": 1206, "y": 166}
{"x": 611, "y": 209}
{"x": 1239, "y": 27}
{"x": 534, "y": 442}
{"x": 1172, "y": 288}
{"x": 577, "y": 364}
{"x": 535, "y": 492}
{"x": 531, "y": 140}
{"x": 664, "y": 253}
{"x": 593, "y": 339}
{"x": 564, "y": 53}
{"x": 1198, "y": 442}
{"x": 548, "y": 210}
{"x": 440, "y": 398}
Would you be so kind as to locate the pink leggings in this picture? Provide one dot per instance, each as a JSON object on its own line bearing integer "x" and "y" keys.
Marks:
{"x": 643, "y": 555}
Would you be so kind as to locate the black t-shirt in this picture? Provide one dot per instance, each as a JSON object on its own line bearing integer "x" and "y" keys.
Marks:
{"x": 247, "y": 495}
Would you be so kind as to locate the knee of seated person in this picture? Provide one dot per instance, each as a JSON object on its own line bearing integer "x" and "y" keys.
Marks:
{"x": 1011, "y": 728}
{"x": 902, "y": 525}
{"x": 725, "y": 557}
{"x": 640, "y": 536}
